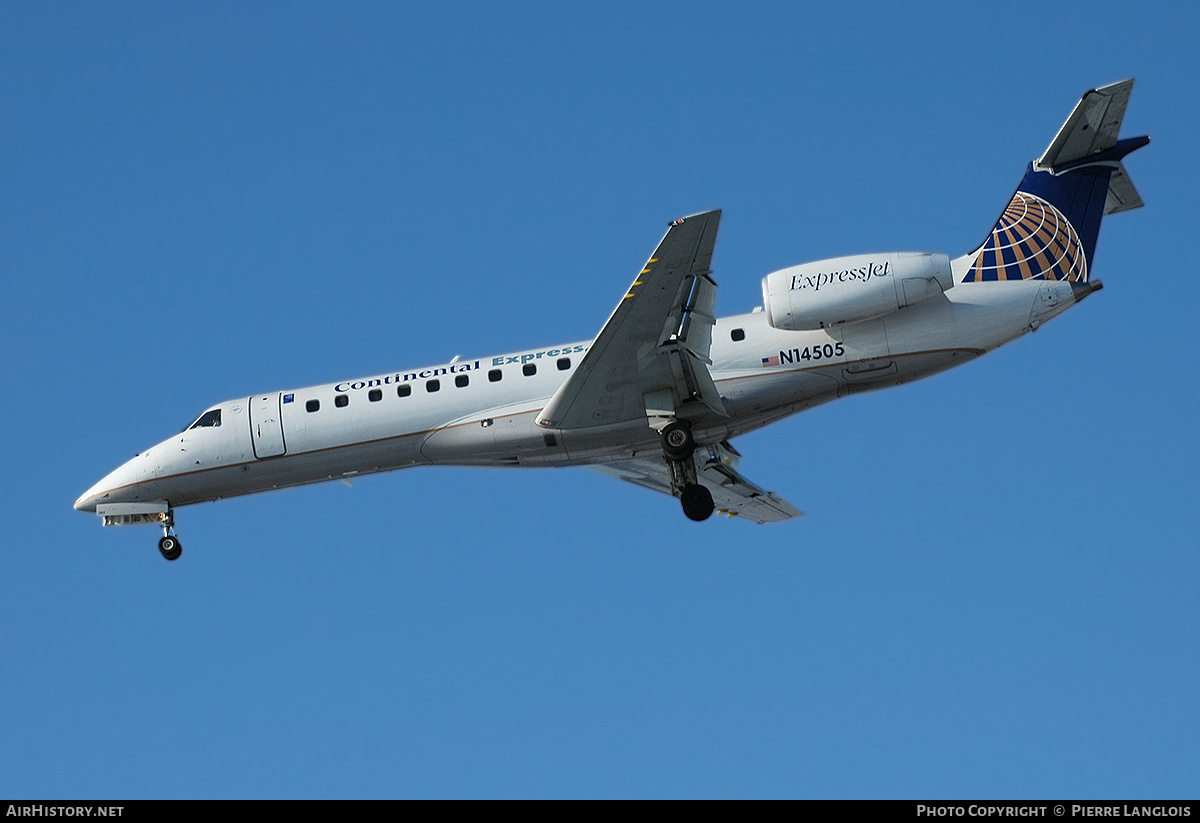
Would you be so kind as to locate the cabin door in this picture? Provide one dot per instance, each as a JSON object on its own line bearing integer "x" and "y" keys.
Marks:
{"x": 266, "y": 425}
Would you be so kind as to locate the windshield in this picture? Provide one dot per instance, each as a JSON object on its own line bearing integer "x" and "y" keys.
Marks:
{"x": 209, "y": 419}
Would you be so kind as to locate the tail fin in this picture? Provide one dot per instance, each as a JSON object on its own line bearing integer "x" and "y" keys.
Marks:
{"x": 1049, "y": 229}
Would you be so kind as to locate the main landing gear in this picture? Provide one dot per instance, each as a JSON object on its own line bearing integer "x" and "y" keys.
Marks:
{"x": 678, "y": 447}
{"x": 677, "y": 441}
{"x": 170, "y": 546}
{"x": 697, "y": 502}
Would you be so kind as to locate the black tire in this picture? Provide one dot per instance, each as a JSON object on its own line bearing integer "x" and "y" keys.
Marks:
{"x": 170, "y": 547}
{"x": 697, "y": 502}
{"x": 677, "y": 440}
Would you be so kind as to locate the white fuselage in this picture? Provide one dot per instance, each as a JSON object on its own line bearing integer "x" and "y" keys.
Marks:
{"x": 273, "y": 440}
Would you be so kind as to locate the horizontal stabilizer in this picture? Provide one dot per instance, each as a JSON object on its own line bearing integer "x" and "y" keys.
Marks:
{"x": 1122, "y": 196}
{"x": 1091, "y": 129}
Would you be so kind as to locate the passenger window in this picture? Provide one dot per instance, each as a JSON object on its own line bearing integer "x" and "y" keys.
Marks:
{"x": 210, "y": 419}
{"x": 375, "y": 395}
{"x": 341, "y": 400}
{"x": 738, "y": 334}
{"x": 564, "y": 363}
{"x": 433, "y": 385}
{"x": 312, "y": 405}
{"x": 494, "y": 375}
{"x": 529, "y": 370}
{"x": 403, "y": 390}
{"x": 462, "y": 380}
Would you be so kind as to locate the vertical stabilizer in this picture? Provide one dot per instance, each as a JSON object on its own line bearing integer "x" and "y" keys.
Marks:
{"x": 1049, "y": 229}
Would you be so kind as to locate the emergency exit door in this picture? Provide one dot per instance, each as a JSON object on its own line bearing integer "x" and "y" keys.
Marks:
{"x": 266, "y": 425}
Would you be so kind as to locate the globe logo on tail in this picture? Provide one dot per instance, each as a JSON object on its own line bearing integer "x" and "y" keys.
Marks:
{"x": 1033, "y": 240}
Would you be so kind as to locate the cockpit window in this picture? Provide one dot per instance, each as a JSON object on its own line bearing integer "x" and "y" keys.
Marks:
{"x": 210, "y": 419}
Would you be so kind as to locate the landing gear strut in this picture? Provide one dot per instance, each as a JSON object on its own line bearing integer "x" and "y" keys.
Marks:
{"x": 678, "y": 448}
{"x": 170, "y": 546}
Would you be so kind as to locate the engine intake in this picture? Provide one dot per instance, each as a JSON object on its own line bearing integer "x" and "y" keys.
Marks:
{"x": 846, "y": 289}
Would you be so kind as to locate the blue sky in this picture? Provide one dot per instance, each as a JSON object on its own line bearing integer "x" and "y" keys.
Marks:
{"x": 993, "y": 592}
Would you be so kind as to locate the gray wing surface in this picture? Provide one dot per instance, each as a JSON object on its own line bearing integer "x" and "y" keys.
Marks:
{"x": 732, "y": 493}
{"x": 1092, "y": 126}
{"x": 657, "y": 340}
{"x": 1122, "y": 196}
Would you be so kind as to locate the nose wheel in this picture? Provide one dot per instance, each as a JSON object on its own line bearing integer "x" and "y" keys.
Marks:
{"x": 170, "y": 547}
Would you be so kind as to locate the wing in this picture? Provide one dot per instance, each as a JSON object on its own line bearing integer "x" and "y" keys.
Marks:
{"x": 717, "y": 470}
{"x": 656, "y": 342}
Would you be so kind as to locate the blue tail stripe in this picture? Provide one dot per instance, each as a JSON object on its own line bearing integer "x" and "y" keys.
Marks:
{"x": 1052, "y": 222}
{"x": 1080, "y": 195}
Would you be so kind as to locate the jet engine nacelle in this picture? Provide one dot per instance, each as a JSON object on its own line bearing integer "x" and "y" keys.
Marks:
{"x": 845, "y": 289}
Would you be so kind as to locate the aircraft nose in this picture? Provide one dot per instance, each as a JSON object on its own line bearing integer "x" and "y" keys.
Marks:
{"x": 87, "y": 500}
{"x": 112, "y": 488}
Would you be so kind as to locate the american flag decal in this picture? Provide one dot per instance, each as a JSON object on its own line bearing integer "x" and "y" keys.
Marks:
{"x": 771, "y": 361}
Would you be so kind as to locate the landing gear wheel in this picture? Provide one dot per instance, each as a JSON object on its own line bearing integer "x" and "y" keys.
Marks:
{"x": 697, "y": 502}
{"x": 170, "y": 547}
{"x": 677, "y": 440}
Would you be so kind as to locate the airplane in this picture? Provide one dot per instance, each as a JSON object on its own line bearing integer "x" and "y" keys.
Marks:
{"x": 656, "y": 397}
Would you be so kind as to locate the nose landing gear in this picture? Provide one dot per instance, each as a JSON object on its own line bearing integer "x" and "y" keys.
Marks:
{"x": 169, "y": 545}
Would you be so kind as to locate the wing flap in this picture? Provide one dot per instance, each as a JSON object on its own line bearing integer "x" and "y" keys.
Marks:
{"x": 732, "y": 493}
